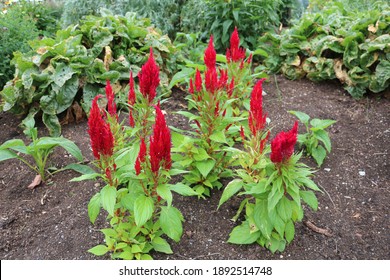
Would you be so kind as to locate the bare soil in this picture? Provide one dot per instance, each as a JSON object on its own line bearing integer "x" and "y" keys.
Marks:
{"x": 51, "y": 221}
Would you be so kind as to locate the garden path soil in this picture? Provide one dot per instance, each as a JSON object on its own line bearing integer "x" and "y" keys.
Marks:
{"x": 51, "y": 221}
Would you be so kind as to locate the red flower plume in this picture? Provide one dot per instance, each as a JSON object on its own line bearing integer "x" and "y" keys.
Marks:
{"x": 131, "y": 99}
{"x": 102, "y": 140}
{"x": 149, "y": 78}
{"x": 111, "y": 105}
{"x": 141, "y": 157}
{"x": 235, "y": 53}
{"x": 256, "y": 119}
{"x": 282, "y": 146}
{"x": 210, "y": 54}
{"x": 160, "y": 144}
{"x": 198, "y": 81}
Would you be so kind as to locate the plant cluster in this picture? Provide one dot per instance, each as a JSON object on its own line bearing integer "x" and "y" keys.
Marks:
{"x": 73, "y": 66}
{"x": 135, "y": 163}
{"x": 336, "y": 42}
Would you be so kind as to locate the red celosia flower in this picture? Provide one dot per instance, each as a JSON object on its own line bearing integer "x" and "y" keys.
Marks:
{"x": 198, "y": 81}
{"x": 256, "y": 118}
{"x": 191, "y": 89}
{"x": 235, "y": 53}
{"x": 160, "y": 144}
{"x": 141, "y": 157}
{"x": 242, "y": 133}
{"x": 210, "y": 54}
{"x": 149, "y": 78}
{"x": 223, "y": 78}
{"x": 102, "y": 140}
{"x": 111, "y": 105}
{"x": 211, "y": 80}
{"x": 282, "y": 146}
{"x": 231, "y": 88}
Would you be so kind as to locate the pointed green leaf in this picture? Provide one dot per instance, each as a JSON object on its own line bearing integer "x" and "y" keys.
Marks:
{"x": 284, "y": 209}
{"x": 231, "y": 189}
{"x": 241, "y": 235}
{"x": 205, "y": 166}
{"x": 108, "y": 199}
{"x": 182, "y": 189}
{"x": 165, "y": 193}
{"x": 289, "y": 231}
{"x": 94, "y": 207}
{"x": 68, "y": 145}
{"x": 261, "y": 218}
{"x": 276, "y": 193}
{"x": 319, "y": 154}
{"x": 171, "y": 222}
{"x": 303, "y": 117}
{"x": 310, "y": 198}
{"x": 320, "y": 124}
{"x": 161, "y": 245}
{"x": 323, "y": 136}
{"x": 181, "y": 76}
{"x": 99, "y": 250}
{"x": 85, "y": 177}
{"x": 218, "y": 137}
{"x": 80, "y": 168}
{"x": 143, "y": 209}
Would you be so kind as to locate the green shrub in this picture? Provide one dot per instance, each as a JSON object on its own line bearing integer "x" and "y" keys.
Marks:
{"x": 337, "y": 42}
{"x": 75, "y": 65}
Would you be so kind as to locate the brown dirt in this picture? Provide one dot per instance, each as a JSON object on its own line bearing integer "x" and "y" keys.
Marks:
{"x": 51, "y": 221}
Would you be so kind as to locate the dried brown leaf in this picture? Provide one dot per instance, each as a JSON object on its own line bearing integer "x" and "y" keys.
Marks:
{"x": 36, "y": 182}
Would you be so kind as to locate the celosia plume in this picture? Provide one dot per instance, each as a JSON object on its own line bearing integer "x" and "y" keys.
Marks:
{"x": 149, "y": 78}
{"x": 160, "y": 144}
{"x": 235, "y": 53}
{"x": 198, "y": 81}
{"x": 210, "y": 55}
{"x": 141, "y": 157}
{"x": 111, "y": 105}
{"x": 102, "y": 140}
{"x": 256, "y": 118}
{"x": 282, "y": 146}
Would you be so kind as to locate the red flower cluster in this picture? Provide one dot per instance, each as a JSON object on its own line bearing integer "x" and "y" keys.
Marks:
{"x": 131, "y": 99}
{"x": 111, "y": 105}
{"x": 160, "y": 143}
{"x": 160, "y": 146}
{"x": 282, "y": 146}
{"x": 149, "y": 78}
{"x": 256, "y": 118}
{"x": 235, "y": 53}
{"x": 102, "y": 140}
{"x": 210, "y": 55}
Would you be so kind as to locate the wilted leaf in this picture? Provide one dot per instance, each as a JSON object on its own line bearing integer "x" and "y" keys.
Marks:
{"x": 36, "y": 182}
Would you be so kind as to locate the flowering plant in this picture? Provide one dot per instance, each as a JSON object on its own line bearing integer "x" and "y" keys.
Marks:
{"x": 273, "y": 186}
{"x": 137, "y": 194}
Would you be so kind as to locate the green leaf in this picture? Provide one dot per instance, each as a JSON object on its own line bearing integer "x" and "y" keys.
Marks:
{"x": 241, "y": 235}
{"x": 182, "y": 189}
{"x": 143, "y": 209}
{"x": 303, "y": 117}
{"x": 85, "y": 177}
{"x": 289, "y": 231}
{"x": 320, "y": 124}
{"x": 7, "y": 154}
{"x": 161, "y": 245}
{"x": 68, "y": 145}
{"x": 261, "y": 219}
{"x": 14, "y": 144}
{"x": 94, "y": 207}
{"x": 231, "y": 189}
{"x": 108, "y": 199}
{"x": 66, "y": 94}
{"x": 205, "y": 166}
{"x": 226, "y": 24}
{"x": 276, "y": 193}
{"x": 80, "y": 168}
{"x": 52, "y": 123}
{"x": 324, "y": 138}
{"x": 201, "y": 154}
{"x": 260, "y": 52}
{"x": 99, "y": 250}
{"x": 164, "y": 192}
{"x": 62, "y": 73}
{"x": 319, "y": 154}
{"x": 284, "y": 209}
{"x": 310, "y": 198}
{"x": 218, "y": 137}
{"x": 171, "y": 222}
{"x": 181, "y": 76}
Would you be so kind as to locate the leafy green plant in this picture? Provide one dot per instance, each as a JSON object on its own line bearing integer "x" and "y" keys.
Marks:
{"x": 316, "y": 140}
{"x": 135, "y": 164}
{"x": 74, "y": 66}
{"x": 336, "y": 42}
{"x": 39, "y": 150}
{"x": 274, "y": 187}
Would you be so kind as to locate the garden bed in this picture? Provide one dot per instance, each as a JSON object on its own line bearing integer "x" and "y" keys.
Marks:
{"x": 51, "y": 221}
